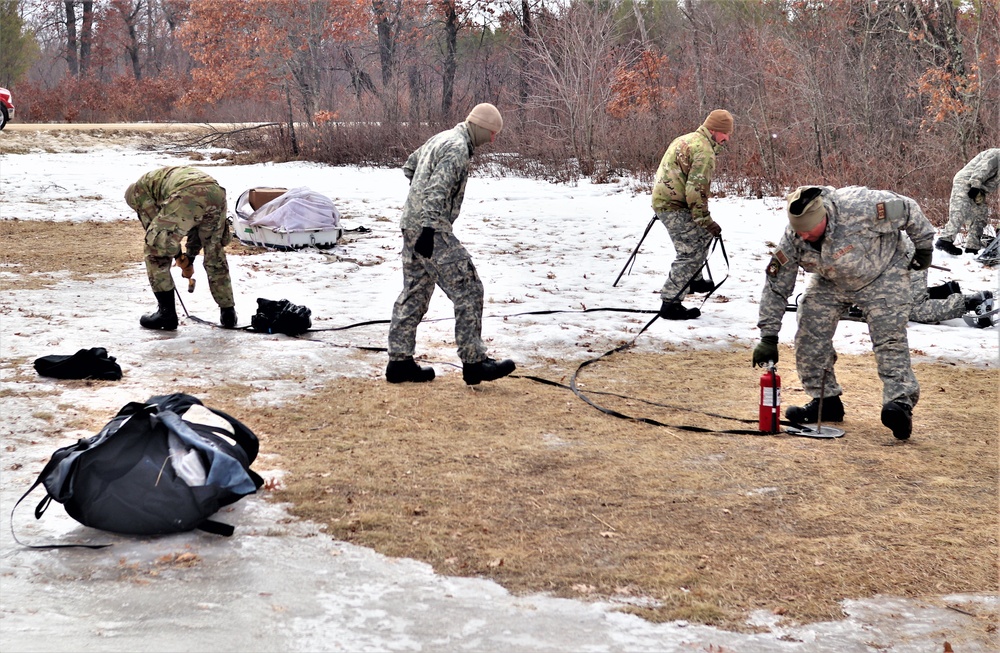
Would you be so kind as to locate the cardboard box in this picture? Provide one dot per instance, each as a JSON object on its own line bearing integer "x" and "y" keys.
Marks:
{"x": 261, "y": 196}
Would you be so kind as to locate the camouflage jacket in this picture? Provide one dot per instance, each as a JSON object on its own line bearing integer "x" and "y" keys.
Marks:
{"x": 438, "y": 171}
{"x": 153, "y": 189}
{"x": 862, "y": 237}
{"x": 684, "y": 178}
{"x": 982, "y": 172}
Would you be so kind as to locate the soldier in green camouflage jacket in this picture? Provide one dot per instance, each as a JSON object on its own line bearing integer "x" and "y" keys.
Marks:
{"x": 850, "y": 240}
{"x": 174, "y": 204}
{"x": 967, "y": 207}
{"x": 433, "y": 256}
{"x": 680, "y": 201}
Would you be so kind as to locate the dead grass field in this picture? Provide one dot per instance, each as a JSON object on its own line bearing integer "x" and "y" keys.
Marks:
{"x": 39, "y": 249}
{"x": 526, "y": 484}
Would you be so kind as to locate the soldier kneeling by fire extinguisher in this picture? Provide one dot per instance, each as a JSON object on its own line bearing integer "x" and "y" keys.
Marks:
{"x": 850, "y": 239}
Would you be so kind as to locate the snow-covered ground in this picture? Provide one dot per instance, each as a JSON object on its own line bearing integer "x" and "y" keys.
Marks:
{"x": 277, "y": 585}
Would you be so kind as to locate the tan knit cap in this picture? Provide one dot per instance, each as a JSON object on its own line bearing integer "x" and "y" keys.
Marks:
{"x": 719, "y": 120}
{"x": 805, "y": 208}
{"x": 486, "y": 115}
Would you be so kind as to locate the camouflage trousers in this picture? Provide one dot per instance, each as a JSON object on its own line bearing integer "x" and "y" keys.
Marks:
{"x": 451, "y": 268}
{"x": 964, "y": 213}
{"x": 885, "y": 303}
{"x": 691, "y": 242}
{"x": 932, "y": 311}
{"x": 199, "y": 214}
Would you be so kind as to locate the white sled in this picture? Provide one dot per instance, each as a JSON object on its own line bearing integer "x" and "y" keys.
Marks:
{"x": 298, "y": 218}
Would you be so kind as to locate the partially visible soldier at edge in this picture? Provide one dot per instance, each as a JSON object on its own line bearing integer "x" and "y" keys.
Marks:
{"x": 432, "y": 256}
{"x": 850, "y": 239}
{"x": 174, "y": 204}
{"x": 680, "y": 201}
{"x": 967, "y": 207}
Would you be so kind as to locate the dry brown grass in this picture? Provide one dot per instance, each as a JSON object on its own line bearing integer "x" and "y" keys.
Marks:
{"x": 39, "y": 249}
{"x": 525, "y": 484}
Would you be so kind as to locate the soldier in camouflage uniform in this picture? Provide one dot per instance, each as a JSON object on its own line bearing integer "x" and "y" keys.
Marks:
{"x": 680, "y": 201}
{"x": 933, "y": 304}
{"x": 433, "y": 256}
{"x": 173, "y": 204}
{"x": 850, "y": 239}
{"x": 967, "y": 208}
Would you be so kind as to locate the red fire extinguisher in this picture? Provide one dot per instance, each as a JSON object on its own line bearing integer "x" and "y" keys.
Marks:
{"x": 770, "y": 400}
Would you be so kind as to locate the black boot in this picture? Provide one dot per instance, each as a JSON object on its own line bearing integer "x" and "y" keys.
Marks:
{"x": 973, "y": 300}
{"x": 165, "y": 317}
{"x": 486, "y": 370}
{"x": 833, "y": 411}
{"x": 675, "y": 311}
{"x": 971, "y": 250}
{"x": 227, "y": 317}
{"x": 947, "y": 246}
{"x": 407, "y": 370}
{"x": 702, "y": 285}
{"x": 898, "y": 418}
{"x": 944, "y": 290}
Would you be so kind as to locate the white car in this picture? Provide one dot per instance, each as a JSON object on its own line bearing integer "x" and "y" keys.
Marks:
{"x": 6, "y": 107}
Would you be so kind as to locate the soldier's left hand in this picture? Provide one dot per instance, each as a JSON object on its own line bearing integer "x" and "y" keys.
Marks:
{"x": 186, "y": 264}
{"x": 714, "y": 228}
{"x": 921, "y": 259}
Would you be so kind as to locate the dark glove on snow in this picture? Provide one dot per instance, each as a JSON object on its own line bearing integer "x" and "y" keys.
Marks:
{"x": 921, "y": 259}
{"x": 714, "y": 228}
{"x": 766, "y": 351}
{"x": 425, "y": 243}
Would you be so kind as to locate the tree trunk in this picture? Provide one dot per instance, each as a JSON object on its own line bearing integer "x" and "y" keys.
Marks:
{"x": 699, "y": 75}
{"x": 451, "y": 46}
{"x": 86, "y": 36}
{"x": 386, "y": 40}
{"x": 71, "y": 42}
{"x": 523, "y": 55}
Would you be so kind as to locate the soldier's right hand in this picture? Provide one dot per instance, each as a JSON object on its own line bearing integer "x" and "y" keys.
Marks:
{"x": 714, "y": 228}
{"x": 766, "y": 351}
{"x": 186, "y": 264}
{"x": 425, "y": 243}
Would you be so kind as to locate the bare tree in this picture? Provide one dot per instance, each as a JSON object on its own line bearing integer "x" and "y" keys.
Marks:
{"x": 575, "y": 61}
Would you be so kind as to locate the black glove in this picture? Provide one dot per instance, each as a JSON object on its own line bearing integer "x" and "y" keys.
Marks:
{"x": 766, "y": 351}
{"x": 921, "y": 259}
{"x": 425, "y": 243}
{"x": 714, "y": 228}
{"x": 977, "y": 195}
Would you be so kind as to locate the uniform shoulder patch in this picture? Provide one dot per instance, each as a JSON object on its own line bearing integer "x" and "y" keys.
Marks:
{"x": 778, "y": 258}
{"x": 892, "y": 209}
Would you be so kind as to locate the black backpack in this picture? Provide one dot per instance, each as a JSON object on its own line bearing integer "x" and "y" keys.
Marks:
{"x": 280, "y": 316}
{"x": 154, "y": 469}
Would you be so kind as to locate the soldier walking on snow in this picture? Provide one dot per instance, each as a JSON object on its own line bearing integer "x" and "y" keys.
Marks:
{"x": 680, "y": 201}
{"x": 433, "y": 256}
{"x": 173, "y": 204}
{"x": 967, "y": 207}
{"x": 850, "y": 239}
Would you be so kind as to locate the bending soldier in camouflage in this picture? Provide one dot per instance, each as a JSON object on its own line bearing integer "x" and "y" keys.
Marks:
{"x": 173, "y": 204}
{"x": 967, "y": 207}
{"x": 850, "y": 239}
{"x": 680, "y": 201}
{"x": 433, "y": 256}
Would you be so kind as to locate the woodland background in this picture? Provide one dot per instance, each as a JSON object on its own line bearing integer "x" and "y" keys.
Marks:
{"x": 894, "y": 94}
